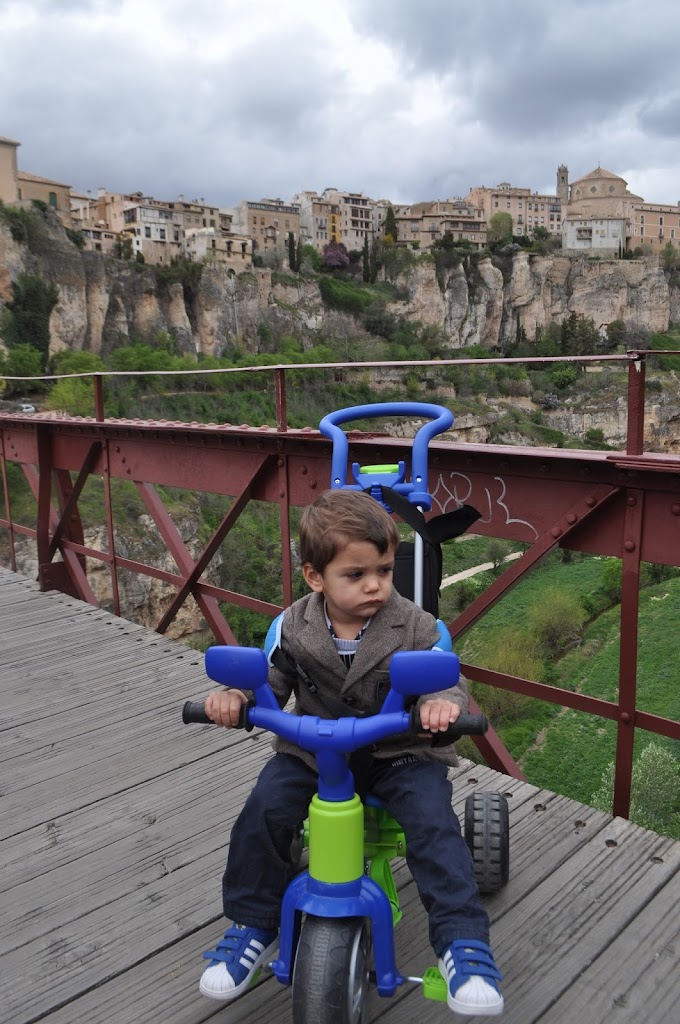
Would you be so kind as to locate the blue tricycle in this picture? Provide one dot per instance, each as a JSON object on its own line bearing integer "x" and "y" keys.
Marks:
{"x": 338, "y": 916}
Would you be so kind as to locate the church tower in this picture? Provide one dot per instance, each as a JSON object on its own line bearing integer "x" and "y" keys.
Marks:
{"x": 563, "y": 183}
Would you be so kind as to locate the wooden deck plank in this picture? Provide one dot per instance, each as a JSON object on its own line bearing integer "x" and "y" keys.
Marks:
{"x": 117, "y": 823}
{"x": 625, "y": 986}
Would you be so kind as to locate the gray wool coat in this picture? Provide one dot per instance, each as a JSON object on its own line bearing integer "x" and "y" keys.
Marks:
{"x": 398, "y": 625}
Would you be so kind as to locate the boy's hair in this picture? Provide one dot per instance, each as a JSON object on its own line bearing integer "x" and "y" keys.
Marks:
{"x": 336, "y": 518}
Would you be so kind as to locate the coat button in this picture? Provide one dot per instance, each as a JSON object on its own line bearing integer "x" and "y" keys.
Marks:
{"x": 350, "y": 702}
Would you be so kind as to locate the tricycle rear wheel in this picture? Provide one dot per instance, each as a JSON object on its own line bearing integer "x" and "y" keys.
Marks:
{"x": 330, "y": 978}
{"x": 487, "y": 834}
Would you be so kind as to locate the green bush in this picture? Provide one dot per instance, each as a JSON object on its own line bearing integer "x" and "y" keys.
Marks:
{"x": 347, "y": 296}
{"x": 655, "y": 797}
{"x": 563, "y": 377}
{"x": 557, "y": 620}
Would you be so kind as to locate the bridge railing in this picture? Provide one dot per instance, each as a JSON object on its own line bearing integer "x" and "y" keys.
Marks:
{"x": 624, "y": 504}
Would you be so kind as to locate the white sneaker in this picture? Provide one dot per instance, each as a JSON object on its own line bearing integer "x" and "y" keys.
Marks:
{"x": 471, "y": 976}
{"x": 236, "y": 959}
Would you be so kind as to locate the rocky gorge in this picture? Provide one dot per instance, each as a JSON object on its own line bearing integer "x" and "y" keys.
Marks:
{"x": 105, "y": 302}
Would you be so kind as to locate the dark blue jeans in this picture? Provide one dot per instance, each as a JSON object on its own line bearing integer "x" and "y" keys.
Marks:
{"x": 416, "y": 793}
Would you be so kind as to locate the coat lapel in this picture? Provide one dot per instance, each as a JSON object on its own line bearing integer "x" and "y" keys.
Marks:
{"x": 316, "y": 640}
{"x": 383, "y": 637}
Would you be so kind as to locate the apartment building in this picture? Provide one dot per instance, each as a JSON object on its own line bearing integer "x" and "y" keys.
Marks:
{"x": 88, "y": 214}
{"x": 319, "y": 219}
{"x": 421, "y": 224}
{"x": 267, "y": 222}
{"x": 235, "y": 251}
{"x": 358, "y": 217}
{"x": 655, "y": 225}
{"x": 528, "y": 209}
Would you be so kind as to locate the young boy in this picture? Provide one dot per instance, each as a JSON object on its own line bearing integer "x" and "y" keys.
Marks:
{"x": 341, "y": 636}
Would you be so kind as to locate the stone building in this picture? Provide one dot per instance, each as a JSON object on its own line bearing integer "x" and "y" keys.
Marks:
{"x": 528, "y": 209}
{"x": 235, "y": 251}
{"x": 17, "y": 186}
{"x": 8, "y": 170}
{"x": 267, "y": 222}
{"x": 420, "y": 224}
{"x": 54, "y": 194}
{"x": 600, "y": 215}
{"x": 319, "y": 219}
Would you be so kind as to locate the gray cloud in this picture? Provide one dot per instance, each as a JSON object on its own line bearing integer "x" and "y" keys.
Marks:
{"x": 99, "y": 98}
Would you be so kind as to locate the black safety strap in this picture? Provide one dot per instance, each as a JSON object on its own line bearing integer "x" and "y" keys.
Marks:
{"x": 435, "y": 530}
{"x": 336, "y": 708}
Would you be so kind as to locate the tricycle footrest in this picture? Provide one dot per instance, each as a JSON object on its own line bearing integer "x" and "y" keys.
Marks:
{"x": 434, "y": 986}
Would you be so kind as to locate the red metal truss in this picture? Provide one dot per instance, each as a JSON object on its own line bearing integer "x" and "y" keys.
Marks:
{"x": 620, "y": 504}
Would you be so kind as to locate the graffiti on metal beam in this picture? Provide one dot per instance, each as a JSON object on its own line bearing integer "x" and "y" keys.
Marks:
{"x": 453, "y": 490}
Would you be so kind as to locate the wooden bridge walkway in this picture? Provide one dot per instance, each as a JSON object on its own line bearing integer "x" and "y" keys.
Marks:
{"x": 115, "y": 820}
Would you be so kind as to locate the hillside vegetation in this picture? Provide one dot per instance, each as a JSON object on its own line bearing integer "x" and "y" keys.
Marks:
{"x": 561, "y": 626}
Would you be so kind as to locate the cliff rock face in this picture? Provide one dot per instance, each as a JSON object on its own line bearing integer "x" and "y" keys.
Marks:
{"x": 104, "y": 302}
{"x": 143, "y": 599}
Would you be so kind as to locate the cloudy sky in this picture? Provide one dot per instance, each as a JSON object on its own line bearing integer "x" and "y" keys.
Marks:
{"x": 402, "y": 99}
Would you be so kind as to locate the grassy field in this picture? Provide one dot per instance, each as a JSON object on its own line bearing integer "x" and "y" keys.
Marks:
{"x": 568, "y": 751}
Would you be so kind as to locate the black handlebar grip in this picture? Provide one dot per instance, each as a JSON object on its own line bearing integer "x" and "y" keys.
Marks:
{"x": 465, "y": 725}
{"x": 243, "y": 722}
{"x": 194, "y": 711}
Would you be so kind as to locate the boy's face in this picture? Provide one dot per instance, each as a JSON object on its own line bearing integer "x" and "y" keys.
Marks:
{"x": 356, "y": 583}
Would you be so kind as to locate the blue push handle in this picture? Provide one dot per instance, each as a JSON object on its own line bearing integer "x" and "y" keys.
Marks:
{"x": 441, "y": 420}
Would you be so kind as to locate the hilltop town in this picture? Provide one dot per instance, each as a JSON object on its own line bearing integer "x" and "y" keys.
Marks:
{"x": 595, "y": 215}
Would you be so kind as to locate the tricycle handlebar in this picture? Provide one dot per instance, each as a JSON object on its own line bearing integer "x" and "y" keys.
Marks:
{"x": 251, "y": 716}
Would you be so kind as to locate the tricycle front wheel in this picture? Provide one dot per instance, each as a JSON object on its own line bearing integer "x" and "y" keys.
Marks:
{"x": 330, "y": 978}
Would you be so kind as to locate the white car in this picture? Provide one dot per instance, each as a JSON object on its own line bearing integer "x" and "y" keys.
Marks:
{"x": 26, "y": 407}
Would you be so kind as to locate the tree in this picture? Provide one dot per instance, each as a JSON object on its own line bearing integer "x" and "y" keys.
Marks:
{"x": 670, "y": 259}
{"x": 446, "y": 242}
{"x": 499, "y": 231}
{"x": 31, "y": 306}
{"x": 366, "y": 261}
{"x": 292, "y": 261}
{"x": 21, "y": 361}
{"x": 616, "y": 333}
{"x": 580, "y": 336}
{"x": 375, "y": 260}
{"x": 397, "y": 261}
{"x": 390, "y": 229}
{"x": 335, "y": 256}
{"x": 496, "y": 551}
{"x": 309, "y": 260}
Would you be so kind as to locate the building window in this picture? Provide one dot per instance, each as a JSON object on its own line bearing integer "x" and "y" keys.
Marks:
{"x": 53, "y": 200}
{"x": 147, "y": 232}
{"x": 162, "y": 234}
